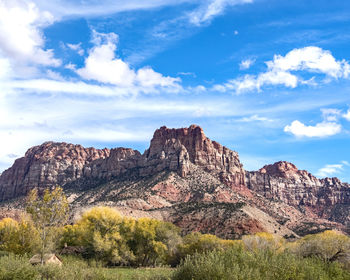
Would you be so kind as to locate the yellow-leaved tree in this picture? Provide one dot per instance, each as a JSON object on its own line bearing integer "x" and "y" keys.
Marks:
{"x": 17, "y": 237}
{"x": 329, "y": 245}
{"x": 264, "y": 241}
{"x": 196, "y": 242}
{"x": 154, "y": 241}
{"x": 48, "y": 213}
{"x": 104, "y": 234}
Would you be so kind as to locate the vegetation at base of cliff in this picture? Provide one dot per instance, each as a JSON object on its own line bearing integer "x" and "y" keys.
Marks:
{"x": 188, "y": 207}
{"x": 103, "y": 240}
{"x": 192, "y": 206}
{"x": 310, "y": 228}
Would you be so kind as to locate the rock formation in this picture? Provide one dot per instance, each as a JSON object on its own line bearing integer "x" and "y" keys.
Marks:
{"x": 45, "y": 166}
{"x": 186, "y": 178}
{"x": 283, "y": 181}
{"x": 171, "y": 149}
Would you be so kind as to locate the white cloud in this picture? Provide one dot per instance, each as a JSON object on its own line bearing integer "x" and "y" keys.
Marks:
{"x": 73, "y": 88}
{"x": 210, "y": 9}
{"x": 246, "y": 64}
{"x": 279, "y": 70}
{"x": 69, "y": 8}
{"x": 54, "y": 75}
{"x": 251, "y": 83}
{"x": 322, "y": 129}
{"x": 187, "y": 74}
{"x": 255, "y": 118}
{"x": 21, "y": 38}
{"x": 330, "y": 114}
{"x": 347, "y": 115}
{"x": 5, "y": 68}
{"x": 101, "y": 65}
{"x": 312, "y": 59}
{"x": 70, "y": 66}
{"x": 330, "y": 170}
{"x": 77, "y": 48}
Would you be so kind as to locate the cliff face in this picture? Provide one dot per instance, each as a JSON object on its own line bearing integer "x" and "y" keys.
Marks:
{"x": 283, "y": 181}
{"x": 185, "y": 178}
{"x": 171, "y": 149}
{"x": 47, "y": 165}
{"x": 179, "y": 149}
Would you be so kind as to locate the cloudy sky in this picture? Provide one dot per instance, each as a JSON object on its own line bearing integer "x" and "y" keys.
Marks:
{"x": 267, "y": 78}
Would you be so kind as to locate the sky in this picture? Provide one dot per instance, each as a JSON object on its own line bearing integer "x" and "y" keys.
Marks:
{"x": 269, "y": 79}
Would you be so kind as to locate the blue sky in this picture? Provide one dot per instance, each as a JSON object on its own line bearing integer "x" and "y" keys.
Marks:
{"x": 267, "y": 78}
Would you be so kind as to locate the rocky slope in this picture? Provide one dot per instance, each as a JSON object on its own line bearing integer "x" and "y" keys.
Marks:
{"x": 185, "y": 178}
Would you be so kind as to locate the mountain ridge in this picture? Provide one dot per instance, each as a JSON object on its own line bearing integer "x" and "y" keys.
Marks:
{"x": 182, "y": 167}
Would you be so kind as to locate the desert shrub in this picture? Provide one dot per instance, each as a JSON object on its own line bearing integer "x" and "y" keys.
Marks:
{"x": 197, "y": 242}
{"x": 241, "y": 264}
{"x": 16, "y": 268}
{"x": 263, "y": 241}
{"x": 329, "y": 246}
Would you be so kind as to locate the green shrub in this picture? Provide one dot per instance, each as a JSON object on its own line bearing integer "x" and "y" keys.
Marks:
{"x": 17, "y": 268}
{"x": 239, "y": 264}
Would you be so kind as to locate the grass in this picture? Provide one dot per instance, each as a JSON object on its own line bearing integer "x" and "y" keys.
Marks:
{"x": 158, "y": 273}
{"x": 18, "y": 268}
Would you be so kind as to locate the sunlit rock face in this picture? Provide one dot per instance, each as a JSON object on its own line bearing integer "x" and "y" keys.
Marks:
{"x": 47, "y": 165}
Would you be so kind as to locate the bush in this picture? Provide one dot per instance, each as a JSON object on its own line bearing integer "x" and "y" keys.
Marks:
{"x": 154, "y": 242}
{"x": 263, "y": 241}
{"x": 240, "y": 264}
{"x": 103, "y": 234}
{"x": 17, "y": 237}
{"x": 17, "y": 268}
{"x": 329, "y": 246}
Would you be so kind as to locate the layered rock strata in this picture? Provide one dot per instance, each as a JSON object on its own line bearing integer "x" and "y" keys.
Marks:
{"x": 282, "y": 181}
{"x": 171, "y": 149}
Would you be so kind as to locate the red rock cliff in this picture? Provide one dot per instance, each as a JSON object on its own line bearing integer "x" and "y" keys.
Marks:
{"x": 178, "y": 149}
{"x": 283, "y": 181}
{"x": 47, "y": 165}
{"x": 170, "y": 149}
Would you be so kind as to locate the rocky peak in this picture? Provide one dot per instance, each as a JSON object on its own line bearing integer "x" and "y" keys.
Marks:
{"x": 287, "y": 170}
{"x": 192, "y": 138}
{"x": 177, "y": 149}
{"x": 65, "y": 151}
